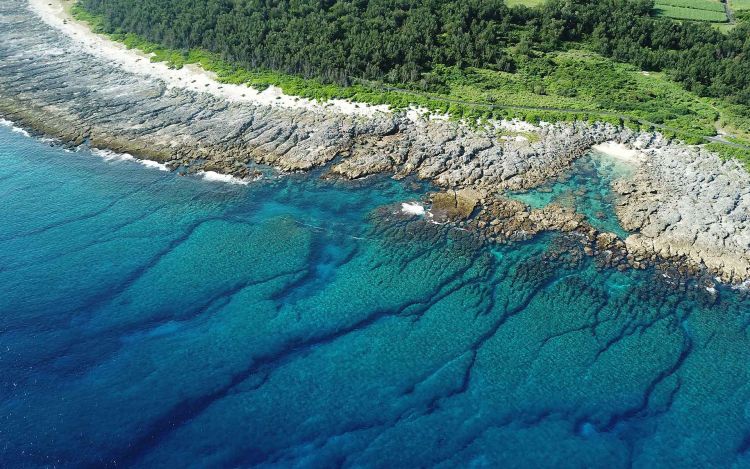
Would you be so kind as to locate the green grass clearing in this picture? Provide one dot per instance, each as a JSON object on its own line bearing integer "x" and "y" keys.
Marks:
{"x": 690, "y": 14}
{"x": 711, "y": 5}
{"x": 739, "y": 4}
{"x": 723, "y": 27}
{"x": 528, "y": 3}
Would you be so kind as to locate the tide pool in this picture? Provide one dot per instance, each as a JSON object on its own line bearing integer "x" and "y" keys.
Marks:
{"x": 152, "y": 320}
{"x": 586, "y": 188}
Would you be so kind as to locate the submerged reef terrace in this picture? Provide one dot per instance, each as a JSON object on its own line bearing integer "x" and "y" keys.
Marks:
{"x": 151, "y": 319}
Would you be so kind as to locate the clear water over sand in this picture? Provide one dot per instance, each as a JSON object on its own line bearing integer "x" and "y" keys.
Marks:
{"x": 585, "y": 188}
{"x": 152, "y": 320}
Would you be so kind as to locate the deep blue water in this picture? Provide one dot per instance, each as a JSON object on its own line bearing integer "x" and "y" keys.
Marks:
{"x": 153, "y": 320}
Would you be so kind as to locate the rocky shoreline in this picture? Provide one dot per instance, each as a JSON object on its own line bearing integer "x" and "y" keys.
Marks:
{"x": 684, "y": 205}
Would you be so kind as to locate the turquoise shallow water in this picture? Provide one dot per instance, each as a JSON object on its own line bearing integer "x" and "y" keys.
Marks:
{"x": 585, "y": 188}
{"x": 152, "y": 320}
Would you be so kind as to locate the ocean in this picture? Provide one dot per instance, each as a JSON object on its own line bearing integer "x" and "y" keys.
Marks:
{"x": 154, "y": 320}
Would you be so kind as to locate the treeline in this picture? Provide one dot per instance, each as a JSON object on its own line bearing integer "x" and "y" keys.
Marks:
{"x": 390, "y": 40}
{"x": 401, "y": 41}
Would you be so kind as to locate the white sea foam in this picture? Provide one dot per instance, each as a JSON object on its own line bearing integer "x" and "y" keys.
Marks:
{"x": 744, "y": 286}
{"x": 109, "y": 155}
{"x": 412, "y": 208}
{"x": 153, "y": 165}
{"x": 13, "y": 128}
{"x": 218, "y": 177}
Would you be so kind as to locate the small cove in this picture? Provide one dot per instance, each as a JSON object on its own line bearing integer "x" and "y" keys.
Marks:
{"x": 586, "y": 188}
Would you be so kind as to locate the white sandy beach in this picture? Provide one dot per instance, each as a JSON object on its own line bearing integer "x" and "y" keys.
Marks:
{"x": 54, "y": 13}
{"x": 620, "y": 151}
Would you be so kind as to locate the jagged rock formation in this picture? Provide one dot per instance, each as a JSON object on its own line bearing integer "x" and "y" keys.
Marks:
{"x": 687, "y": 204}
{"x": 48, "y": 85}
{"x": 455, "y": 205}
{"x": 684, "y": 204}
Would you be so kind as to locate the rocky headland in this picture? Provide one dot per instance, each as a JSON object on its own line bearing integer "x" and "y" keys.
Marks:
{"x": 683, "y": 205}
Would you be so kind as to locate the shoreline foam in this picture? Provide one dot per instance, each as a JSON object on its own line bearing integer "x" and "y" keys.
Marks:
{"x": 13, "y": 127}
{"x": 109, "y": 155}
{"x": 213, "y": 176}
{"x": 412, "y": 208}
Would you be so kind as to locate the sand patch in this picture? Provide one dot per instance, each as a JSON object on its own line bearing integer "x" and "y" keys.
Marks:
{"x": 191, "y": 77}
{"x": 620, "y": 151}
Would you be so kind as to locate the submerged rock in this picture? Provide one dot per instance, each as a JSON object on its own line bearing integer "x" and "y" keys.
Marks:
{"x": 454, "y": 205}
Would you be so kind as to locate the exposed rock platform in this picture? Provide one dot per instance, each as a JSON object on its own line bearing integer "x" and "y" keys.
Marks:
{"x": 684, "y": 204}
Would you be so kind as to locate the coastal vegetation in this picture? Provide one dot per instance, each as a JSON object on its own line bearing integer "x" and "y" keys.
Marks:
{"x": 563, "y": 60}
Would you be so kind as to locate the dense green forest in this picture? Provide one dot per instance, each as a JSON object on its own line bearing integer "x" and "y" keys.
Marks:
{"x": 402, "y": 41}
